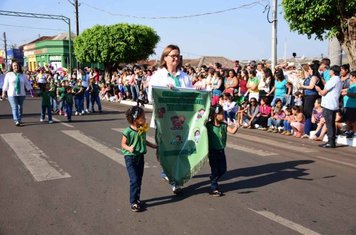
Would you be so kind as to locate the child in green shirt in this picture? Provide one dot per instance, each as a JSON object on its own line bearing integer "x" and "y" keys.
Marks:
{"x": 217, "y": 135}
{"x": 46, "y": 95}
{"x": 133, "y": 145}
{"x": 69, "y": 94}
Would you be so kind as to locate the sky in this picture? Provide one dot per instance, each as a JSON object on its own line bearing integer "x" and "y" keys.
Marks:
{"x": 242, "y": 33}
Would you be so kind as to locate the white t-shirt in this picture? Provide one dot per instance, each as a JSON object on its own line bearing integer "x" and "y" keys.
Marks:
{"x": 10, "y": 84}
{"x": 162, "y": 79}
{"x": 331, "y": 99}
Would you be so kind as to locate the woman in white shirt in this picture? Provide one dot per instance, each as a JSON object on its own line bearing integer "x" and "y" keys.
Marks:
{"x": 15, "y": 83}
{"x": 169, "y": 75}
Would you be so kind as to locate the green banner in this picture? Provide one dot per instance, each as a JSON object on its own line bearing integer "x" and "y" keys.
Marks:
{"x": 181, "y": 135}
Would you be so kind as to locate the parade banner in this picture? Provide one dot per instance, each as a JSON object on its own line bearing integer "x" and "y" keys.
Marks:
{"x": 180, "y": 116}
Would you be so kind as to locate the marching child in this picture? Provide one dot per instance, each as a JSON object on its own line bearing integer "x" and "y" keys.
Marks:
{"x": 46, "y": 95}
{"x": 69, "y": 102}
{"x": 217, "y": 135}
{"x": 133, "y": 145}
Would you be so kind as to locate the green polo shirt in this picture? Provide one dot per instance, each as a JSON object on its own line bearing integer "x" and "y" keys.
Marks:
{"x": 217, "y": 135}
{"x": 135, "y": 139}
{"x": 46, "y": 97}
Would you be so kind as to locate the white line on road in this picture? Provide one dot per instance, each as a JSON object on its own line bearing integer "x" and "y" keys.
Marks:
{"x": 34, "y": 159}
{"x": 63, "y": 123}
{"x": 266, "y": 141}
{"x": 287, "y": 223}
{"x": 233, "y": 146}
{"x": 90, "y": 142}
{"x": 336, "y": 161}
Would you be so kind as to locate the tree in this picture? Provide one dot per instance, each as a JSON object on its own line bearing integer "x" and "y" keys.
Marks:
{"x": 325, "y": 19}
{"x": 119, "y": 43}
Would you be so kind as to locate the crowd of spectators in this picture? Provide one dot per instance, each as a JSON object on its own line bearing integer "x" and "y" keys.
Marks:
{"x": 286, "y": 101}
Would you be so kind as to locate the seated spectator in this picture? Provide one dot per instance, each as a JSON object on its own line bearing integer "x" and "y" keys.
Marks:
{"x": 230, "y": 108}
{"x": 275, "y": 122}
{"x": 339, "y": 122}
{"x": 288, "y": 119}
{"x": 298, "y": 123}
{"x": 250, "y": 118}
{"x": 298, "y": 99}
{"x": 200, "y": 82}
{"x": 320, "y": 130}
{"x": 241, "y": 112}
{"x": 264, "y": 114}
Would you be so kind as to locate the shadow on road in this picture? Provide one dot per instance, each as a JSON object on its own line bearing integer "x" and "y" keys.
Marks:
{"x": 259, "y": 176}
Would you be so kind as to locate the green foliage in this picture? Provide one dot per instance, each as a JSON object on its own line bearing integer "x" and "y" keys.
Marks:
{"x": 119, "y": 43}
{"x": 322, "y": 18}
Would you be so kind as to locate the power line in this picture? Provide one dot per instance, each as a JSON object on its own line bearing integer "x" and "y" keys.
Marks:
{"x": 28, "y": 27}
{"x": 247, "y": 5}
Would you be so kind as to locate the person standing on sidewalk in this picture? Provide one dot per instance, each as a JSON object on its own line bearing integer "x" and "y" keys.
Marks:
{"x": 330, "y": 103}
{"x": 15, "y": 84}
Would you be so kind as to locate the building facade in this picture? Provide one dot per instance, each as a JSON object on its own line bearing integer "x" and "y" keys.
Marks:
{"x": 48, "y": 51}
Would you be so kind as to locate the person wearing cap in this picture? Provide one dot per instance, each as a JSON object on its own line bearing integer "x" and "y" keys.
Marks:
{"x": 330, "y": 103}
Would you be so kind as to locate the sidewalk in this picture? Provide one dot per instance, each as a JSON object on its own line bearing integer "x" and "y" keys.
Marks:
{"x": 133, "y": 103}
{"x": 340, "y": 139}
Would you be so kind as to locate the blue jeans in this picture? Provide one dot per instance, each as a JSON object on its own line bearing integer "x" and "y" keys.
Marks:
{"x": 49, "y": 112}
{"x": 69, "y": 108}
{"x": 287, "y": 126}
{"x": 95, "y": 99}
{"x": 87, "y": 99}
{"x": 330, "y": 116}
{"x": 16, "y": 103}
{"x": 79, "y": 101}
{"x": 135, "y": 166}
{"x": 217, "y": 162}
{"x": 275, "y": 122}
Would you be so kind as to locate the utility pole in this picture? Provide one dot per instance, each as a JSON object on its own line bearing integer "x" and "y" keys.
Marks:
{"x": 274, "y": 36}
{"x": 77, "y": 16}
{"x": 5, "y": 43}
{"x": 76, "y": 6}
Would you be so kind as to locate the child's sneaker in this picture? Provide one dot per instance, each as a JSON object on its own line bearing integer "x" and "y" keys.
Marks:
{"x": 164, "y": 176}
{"x": 176, "y": 189}
{"x": 87, "y": 111}
{"x": 135, "y": 207}
{"x": 216, "y": 193}
{"x": 41, "y": 120}
{"x": 288, "y": 133}
{"x": 50, "y": 122}
{"x": 83, "y": 112}
{"x": 76, "y": 113}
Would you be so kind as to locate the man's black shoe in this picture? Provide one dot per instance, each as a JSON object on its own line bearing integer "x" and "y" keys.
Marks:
{"x": 327, "y": 145}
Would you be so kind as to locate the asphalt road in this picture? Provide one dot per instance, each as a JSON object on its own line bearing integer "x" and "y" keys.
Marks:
{"x": 69, "y": 178}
